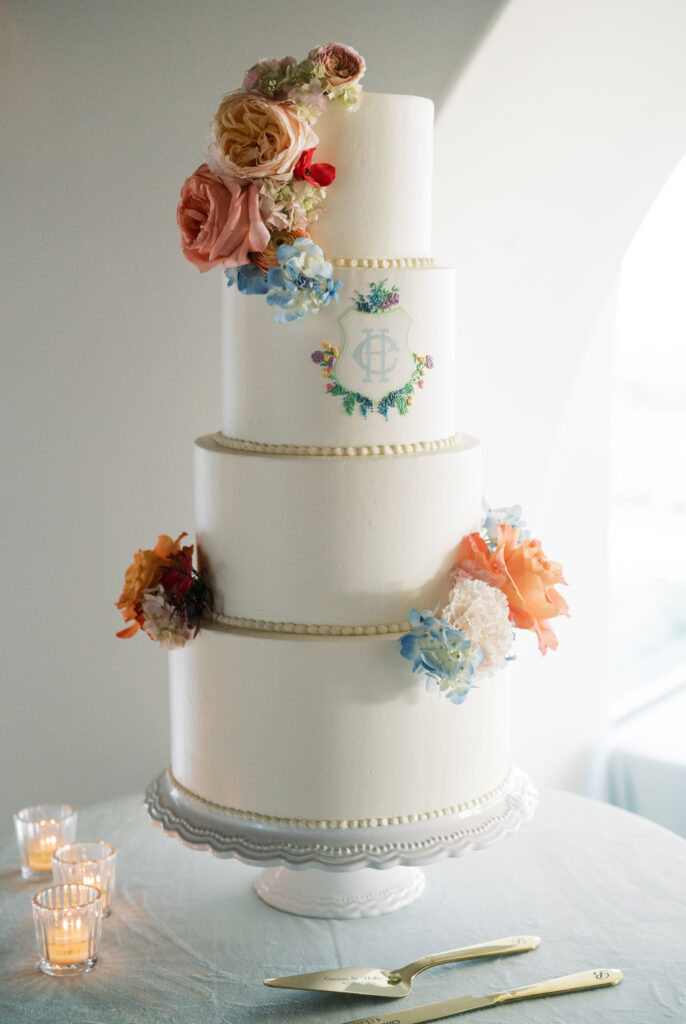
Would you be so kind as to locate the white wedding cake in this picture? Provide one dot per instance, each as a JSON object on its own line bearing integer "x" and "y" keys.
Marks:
{"x": 338, "y": 500}
{"x": 321, "y": 530}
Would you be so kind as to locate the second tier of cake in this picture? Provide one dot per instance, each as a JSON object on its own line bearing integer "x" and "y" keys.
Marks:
{"x": 332, "y": 540}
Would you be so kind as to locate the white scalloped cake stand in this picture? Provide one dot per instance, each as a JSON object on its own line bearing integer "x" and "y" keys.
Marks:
{"x": 322, "y": 870}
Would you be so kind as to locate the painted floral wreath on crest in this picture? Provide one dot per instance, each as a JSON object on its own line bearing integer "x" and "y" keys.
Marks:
{"x": 250, "y": 205}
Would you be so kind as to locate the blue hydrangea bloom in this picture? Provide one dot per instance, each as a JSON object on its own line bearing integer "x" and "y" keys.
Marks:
{"x": 302, "y": 283}
{"x": 442, "y": 653}
{"x": 510, "y": 515}
{"x": 249, "y": 279}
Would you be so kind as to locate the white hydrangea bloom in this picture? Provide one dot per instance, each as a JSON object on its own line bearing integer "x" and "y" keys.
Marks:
{"x": 162, "y": 622}
{"x": 483, "y": 614}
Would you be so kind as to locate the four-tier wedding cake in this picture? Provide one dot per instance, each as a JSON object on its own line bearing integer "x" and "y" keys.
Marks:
{"x": 340, "y": 524}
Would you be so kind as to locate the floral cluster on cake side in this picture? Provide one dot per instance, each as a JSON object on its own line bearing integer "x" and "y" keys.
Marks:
{"x": 250, "y": 205}
{"x": 164, "y": 595}
{"x": 501, "y": 581}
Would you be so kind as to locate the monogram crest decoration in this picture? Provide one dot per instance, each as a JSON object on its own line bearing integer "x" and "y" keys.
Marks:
{"x": 374, "y": 367}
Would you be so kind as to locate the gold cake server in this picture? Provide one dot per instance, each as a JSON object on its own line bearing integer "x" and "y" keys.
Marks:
{"x": 463, "y": 1004}
{"x": 372, "y": 981}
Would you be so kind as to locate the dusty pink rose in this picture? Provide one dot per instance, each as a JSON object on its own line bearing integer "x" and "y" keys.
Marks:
{"x": 219, "y": 220}
{"x": 257, "y": 138}
{"x": 343, "y": 66}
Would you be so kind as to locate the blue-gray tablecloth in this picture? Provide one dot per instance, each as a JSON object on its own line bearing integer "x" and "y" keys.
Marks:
{"x": 189, "y": 943}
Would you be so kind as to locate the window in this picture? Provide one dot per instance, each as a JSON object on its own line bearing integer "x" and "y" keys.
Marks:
{"x": 648, "y": 476}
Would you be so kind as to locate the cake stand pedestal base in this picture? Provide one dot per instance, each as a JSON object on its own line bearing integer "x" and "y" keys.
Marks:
{"x": 364, "y": 893}
{"x": 332, "y": 869}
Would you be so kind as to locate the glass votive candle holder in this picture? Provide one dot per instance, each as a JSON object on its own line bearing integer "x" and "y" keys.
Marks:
{"x": 68, "y": 921}
{"x": 40, "y": 831}
{"x": 89, "y": 863}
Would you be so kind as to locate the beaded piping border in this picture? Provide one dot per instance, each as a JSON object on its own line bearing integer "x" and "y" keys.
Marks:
{"x": 259, "y": 448}
{"x": 303, "y": 628}
{"x": 374, "y": 262}
{"x": 312, "y": 823}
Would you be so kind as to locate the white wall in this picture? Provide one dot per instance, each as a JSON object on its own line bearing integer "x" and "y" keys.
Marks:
{"x": 110, "y": 340}
{"x": 551, "y": 146}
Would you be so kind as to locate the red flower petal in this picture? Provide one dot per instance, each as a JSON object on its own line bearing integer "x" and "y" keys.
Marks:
{"x": 316, "y": 174}
{"x": 321, "y": 174}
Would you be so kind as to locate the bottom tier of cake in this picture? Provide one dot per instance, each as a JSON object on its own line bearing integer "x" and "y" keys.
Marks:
{"x": 333, "y": 731}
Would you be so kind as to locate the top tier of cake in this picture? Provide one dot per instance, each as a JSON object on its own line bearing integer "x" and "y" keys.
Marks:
{"x": 379, "y": 207}
{"x": 393, "y": 382}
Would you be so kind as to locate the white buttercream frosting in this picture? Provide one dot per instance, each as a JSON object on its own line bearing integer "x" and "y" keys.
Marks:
{"x": 273, "y": 393}
{"x": 355, "y": 823}
{"x": 322, "y": 728}
{"x": 380, "y": 202}
{"x": 348, "y": 541}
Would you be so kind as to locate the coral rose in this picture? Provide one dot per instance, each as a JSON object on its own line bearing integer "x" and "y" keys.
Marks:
{"x": 220, "y": 221}
{"x": 253, "y": 137}
{"x": 342, "y": 65}
{"x": 523, "y": 573}
{"x": 144, "y": 573}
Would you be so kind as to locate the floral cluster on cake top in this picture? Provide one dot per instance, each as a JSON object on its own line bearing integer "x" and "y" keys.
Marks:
{"x": 501, "y": 579}
{"x": 250, "y": 205}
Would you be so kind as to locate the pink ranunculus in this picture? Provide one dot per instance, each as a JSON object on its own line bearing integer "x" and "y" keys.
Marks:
{"x": 343, "y": 66}
{"x": 254, "y": 137}
{"x": 220, "y": 221}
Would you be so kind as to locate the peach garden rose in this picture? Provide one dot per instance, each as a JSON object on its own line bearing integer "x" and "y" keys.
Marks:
{"x": 254, "y": 138}
{"x": 523, "y": 573}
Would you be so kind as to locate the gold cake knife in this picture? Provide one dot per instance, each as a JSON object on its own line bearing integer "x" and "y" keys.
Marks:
{"x": 463, "y": 1004}
{"x": 372, "y": 981}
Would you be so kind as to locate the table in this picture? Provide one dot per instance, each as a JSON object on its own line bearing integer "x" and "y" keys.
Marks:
{"x": 188, "y": 942}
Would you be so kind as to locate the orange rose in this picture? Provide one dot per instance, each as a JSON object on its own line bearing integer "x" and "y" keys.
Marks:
{"x": 143, "y": 574}
{"x": 523, "y": 573}
{"x": 257, "y": 138}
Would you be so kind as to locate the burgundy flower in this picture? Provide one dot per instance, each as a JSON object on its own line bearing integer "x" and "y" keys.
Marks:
{"x": 178, "y": 581}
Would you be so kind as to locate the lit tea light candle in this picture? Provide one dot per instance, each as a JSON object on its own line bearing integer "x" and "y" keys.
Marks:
{"x": 68, "y": 945}
{"x": 40, "y": 831}
{"x": 68, "y": 921}
{"x": 39, "y": 853}
{"x": 90, "y": 863}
